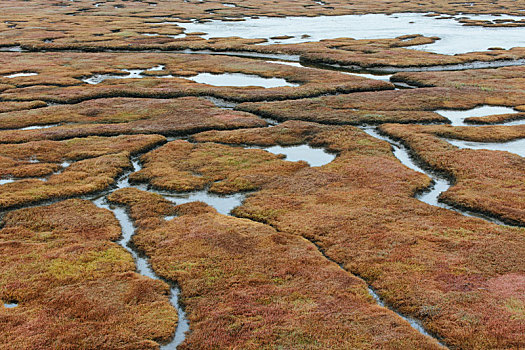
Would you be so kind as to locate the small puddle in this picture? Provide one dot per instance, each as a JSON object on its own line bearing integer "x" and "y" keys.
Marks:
{"x": 457, "y": 117}
{"x": 22, "y": 74}
{"x": 516, "y": 146}
{"x": 34, "y": 127}
{"x": 239, "y": 79}
{"x": 132, "y": 74}
{"x": 224, "y": 204}
{"x": 315, "y": 157}
{"x": 10, "y": 305}
{"x": 6, "y": 181}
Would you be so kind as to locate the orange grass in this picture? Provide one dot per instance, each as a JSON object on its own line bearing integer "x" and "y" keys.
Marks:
{"x": 39, "y": 158}
{"x": 59, "y": 74}
{"x": 492, "y": 81}
{"x": 248, "y": 286}
{"x": 461, "y": 276}
{"x": 108, "y": 117}
{"x": 74, "y": 287}
{"x": 7, "y": 106}
{"x": 82, "y": 177}
{"x": 485, "y": 181}
{"x": 183, "y": 166}
{"x": 399, "y": 106}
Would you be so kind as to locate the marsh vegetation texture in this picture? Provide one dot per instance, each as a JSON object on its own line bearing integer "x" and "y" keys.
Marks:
{"x": 249, "y": 175}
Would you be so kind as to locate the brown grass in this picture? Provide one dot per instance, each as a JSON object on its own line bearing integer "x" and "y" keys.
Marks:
{"x": 42, "y": 158}
{"x": 437, "y": 265}
{"x": 496, "y": 119}
{"x": 485, "y": 181}
{"x": 18, "y": 106}
{"x": 108, "y": 117}
{"x": 69, "y": 68}
{"x": 247, "y": 286}
{"x": 183, "y": 166}
{"x": 492, "y": 81}
{"x": 74, "y": 287}
{"x": 83, "y": 177}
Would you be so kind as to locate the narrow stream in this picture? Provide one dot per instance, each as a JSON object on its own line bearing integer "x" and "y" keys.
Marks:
{"x": 143, "y": 267}
{"x": 440, "y": 184}
{"x": 416, "y": 324}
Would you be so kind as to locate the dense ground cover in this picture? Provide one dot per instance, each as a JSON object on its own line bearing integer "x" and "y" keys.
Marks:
{"x": 75, "y": 287}
{"x": 123, "y": 23}
{"x": 399, "y": 106}
{"x": 485, "y": 181}
{"x": 59, "y": 75}
{"x": 245, "y": 285}
{"x": 99, "y": 93}
{"x": 435, "y": 264}
{"x": 96, "y": 164}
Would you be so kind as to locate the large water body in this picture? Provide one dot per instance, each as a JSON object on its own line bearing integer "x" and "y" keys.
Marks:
{"x": 455, "y": 37}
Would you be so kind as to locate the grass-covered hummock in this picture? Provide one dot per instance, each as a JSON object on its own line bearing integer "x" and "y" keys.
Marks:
{"x": 245, "y": 285}
{"x": 461, "y": 276}
{"x": 484, "y": 180}
{"x": 74, "y": 287}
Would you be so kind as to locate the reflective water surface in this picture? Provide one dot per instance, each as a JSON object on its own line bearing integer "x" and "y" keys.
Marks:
{"x": 455, "y": 38}
{"x": 239, "y": 79}
{"x": 313, "y": 156}
{"x": 457, "y": 117}
{"x": 516, "y": 146}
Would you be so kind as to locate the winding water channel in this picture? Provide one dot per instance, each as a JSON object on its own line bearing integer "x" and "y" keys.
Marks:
{"x": 142, "y": 265}
{"x": 440, "y": 183}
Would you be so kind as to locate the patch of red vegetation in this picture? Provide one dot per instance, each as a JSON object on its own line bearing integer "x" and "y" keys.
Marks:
{"x": 117, "y": 116}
